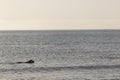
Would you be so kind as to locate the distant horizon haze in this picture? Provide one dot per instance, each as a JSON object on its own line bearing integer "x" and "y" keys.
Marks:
{"x": 59, "y": 14}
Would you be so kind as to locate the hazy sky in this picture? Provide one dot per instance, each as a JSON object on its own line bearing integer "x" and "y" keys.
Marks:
{"x": 59, "y": 14}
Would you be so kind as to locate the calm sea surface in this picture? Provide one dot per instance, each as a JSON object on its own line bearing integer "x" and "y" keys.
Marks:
{"x": 60, "y": 55}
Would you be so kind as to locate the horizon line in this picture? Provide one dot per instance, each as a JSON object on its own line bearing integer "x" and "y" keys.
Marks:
{"x": 64, "y": 30}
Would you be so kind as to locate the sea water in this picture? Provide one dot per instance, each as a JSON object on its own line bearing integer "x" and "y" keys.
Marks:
{"x": 60, "y": 55}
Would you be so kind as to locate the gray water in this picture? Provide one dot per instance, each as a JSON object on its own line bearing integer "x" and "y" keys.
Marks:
{"x": 60, "y": 55}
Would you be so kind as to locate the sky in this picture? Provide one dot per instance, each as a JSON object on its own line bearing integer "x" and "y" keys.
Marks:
{"x": 59, "y": 14}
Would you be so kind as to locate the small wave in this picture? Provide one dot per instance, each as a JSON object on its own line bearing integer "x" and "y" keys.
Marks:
{"x": 38, "y": 69}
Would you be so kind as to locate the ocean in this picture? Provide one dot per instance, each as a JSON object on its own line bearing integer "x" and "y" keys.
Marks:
{"x": 60, "y": 55}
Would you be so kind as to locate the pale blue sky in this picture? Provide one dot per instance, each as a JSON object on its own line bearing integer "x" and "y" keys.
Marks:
{"x": 59, "y": 14}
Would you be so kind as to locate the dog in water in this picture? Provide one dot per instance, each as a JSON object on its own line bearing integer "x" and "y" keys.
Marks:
{"x": 29, "y": 62}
